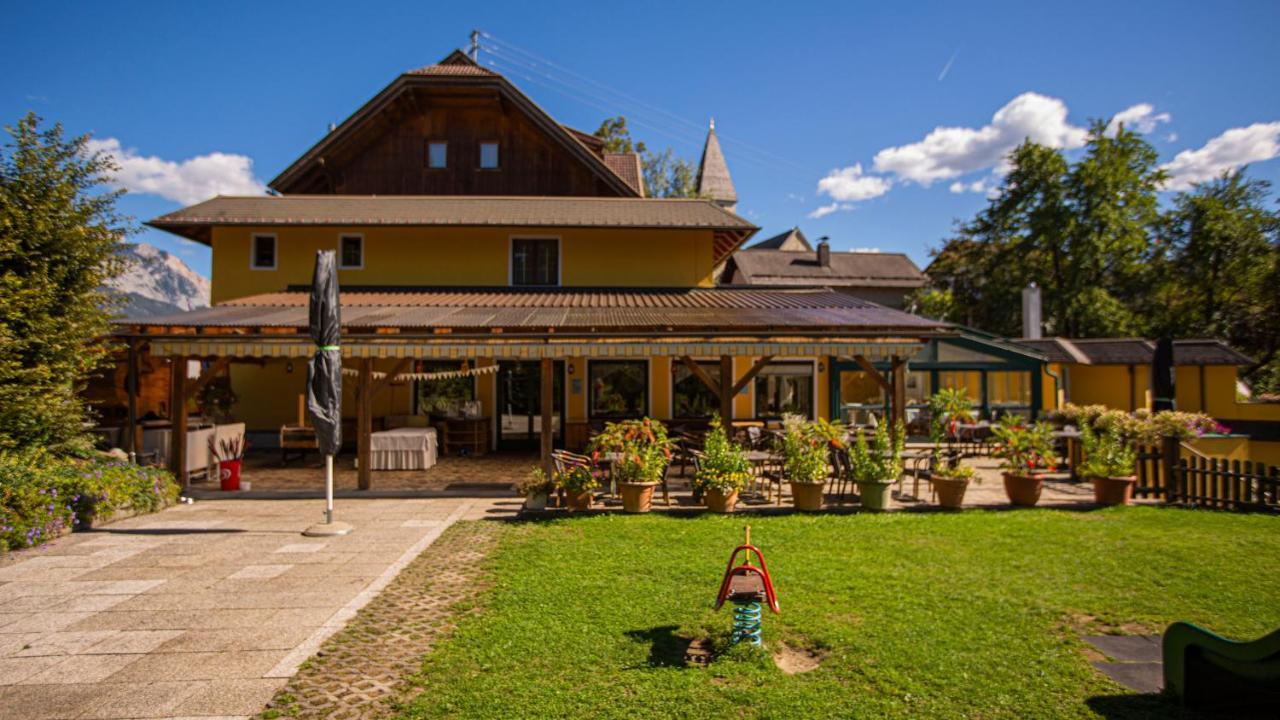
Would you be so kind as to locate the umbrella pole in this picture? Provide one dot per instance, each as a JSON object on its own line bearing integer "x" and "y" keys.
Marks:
{"x": 328, "y": 489}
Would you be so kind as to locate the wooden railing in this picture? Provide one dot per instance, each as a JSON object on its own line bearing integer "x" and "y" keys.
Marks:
{"x": 1182, "y": 474}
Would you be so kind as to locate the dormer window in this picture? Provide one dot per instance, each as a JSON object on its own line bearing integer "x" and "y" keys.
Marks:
{"x": 351, "y": 252}
{"x": 437, "y": 155}
{"x": 535, "y": 261}
{"x": 262, "y": 253}
{"x": 489, "y": 156}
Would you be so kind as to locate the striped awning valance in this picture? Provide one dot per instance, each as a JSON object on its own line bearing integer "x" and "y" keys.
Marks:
{"x": 872, "y": 349}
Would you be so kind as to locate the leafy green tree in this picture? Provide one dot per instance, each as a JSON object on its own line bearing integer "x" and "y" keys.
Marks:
{"x": 665, "y": 174}
{"x": 59, "y": 239}
{"x": 936, "y": 303}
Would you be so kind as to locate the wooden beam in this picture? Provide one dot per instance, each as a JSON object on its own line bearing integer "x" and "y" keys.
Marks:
{"x": 207, "y": 375}
{"x": 131, "y": 389}
{"x": 701, "y": 374}
{"x": 898, "y": 404}
{"x": 546, "y": 407}
{"x": 178, "y": 414}
{"x": 751, "y": 374}
{"x": 385, "y": 381}
{"x": 871, "y": 370}
{"x": 726, "y": 390}
{"x": 364, "y": 424}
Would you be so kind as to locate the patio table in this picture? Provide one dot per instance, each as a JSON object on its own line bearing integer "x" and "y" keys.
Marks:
{"x": 406, "y": 448}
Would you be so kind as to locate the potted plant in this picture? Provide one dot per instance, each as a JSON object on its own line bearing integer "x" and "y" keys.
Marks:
{"x": 1109, "y": 463}
{"x": 536, "y": 488}
{"x": 641, "y": 453}
{"x": 578, "y": 482}
{"x": 723, "y": 471}
{"x": 951, "y": 482}
{"x": 1027, "y": 451}
{"x": 947, "y": 409}
{"x": 876, "y": 468}
{"x": 804, "y": 456}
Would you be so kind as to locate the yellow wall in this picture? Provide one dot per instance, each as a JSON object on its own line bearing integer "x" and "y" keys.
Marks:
{"x": 1110, "y": 385}
{"x": 463, "y": 256}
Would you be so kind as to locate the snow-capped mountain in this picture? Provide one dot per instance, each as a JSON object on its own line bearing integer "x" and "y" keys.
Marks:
{"x": 158, "y": 283}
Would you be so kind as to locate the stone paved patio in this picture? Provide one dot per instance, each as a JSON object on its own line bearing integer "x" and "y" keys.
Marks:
{"x": 200, "y": 610}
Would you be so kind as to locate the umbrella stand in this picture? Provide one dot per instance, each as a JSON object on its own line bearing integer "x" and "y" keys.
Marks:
{"x": 324, "y": 382}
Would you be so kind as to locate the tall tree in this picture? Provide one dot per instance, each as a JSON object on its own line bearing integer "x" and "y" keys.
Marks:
{"x": 665, "y": 174}
{"x": 59, "y": 239}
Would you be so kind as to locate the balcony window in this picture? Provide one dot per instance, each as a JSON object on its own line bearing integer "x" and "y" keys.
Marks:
{"x": 535, "y": 262}
{"x": 263, "y": 252}
{"x": 351, "y": 252}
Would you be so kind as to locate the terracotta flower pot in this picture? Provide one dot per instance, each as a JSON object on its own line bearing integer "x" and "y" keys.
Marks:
{"x": 1023, "y": 490}
{"x": 807, "y": 496}
{"x": 1113, "y": 490}
{"x": 950, "y": 491}
{"x": 535, "y": 501}
{"x": 637, "y": 497}
{"x": 719, "y": 501}
{"x": 875, "y": 495}
{"x": 579, "y": 501}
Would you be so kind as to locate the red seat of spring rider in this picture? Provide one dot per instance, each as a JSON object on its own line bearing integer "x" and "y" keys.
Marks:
{"x": 747, "y": 579}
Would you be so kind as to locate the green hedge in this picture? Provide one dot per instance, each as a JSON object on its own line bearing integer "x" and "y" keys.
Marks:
{"x": 41, "y": 496}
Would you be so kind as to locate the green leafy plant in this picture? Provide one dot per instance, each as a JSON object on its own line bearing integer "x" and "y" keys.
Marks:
{"x": 1026, "y": 449}
{"x": 948, "y": 408}
{"x": 536, "y": 483}
{"x": 1107, "y": 453}
{"x": 882, "y": 461}
{"x": 725, "y": 466}
{"x": 577, "y": 480}
{"x": 641, "y": 447}
{"x": 804, "y": 451}
{"x": 946, "y": 471}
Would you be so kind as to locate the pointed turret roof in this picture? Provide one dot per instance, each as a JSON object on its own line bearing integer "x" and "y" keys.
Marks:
{"x": 713, "y": 173}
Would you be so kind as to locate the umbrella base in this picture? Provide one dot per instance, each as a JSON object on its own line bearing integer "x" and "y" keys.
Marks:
{"x": 332, "y": 529}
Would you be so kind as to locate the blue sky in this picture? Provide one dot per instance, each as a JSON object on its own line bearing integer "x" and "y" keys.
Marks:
{"x": 886, "y": 107}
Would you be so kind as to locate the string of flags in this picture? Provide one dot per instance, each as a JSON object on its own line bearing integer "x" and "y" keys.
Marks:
{"x": 440, "y": 375}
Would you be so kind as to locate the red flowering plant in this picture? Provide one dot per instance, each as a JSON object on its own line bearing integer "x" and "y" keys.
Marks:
{"x": 1026, "y": 448}
{"x": 640, "y": 449}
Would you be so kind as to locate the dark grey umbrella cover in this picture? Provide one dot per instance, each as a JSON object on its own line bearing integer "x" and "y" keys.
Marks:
{"x": 324, "y": 370}
{"x": 1162, "y": 374}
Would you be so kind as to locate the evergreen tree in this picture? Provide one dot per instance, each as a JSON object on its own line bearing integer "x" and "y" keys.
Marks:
{"x": 665, "y": 174}
{"x": 59, "y": 238}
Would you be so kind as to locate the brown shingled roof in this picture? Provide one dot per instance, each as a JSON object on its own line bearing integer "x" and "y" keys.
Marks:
{"x": 447, "y": 210}
{"x": 1134, "y": 351}
{"x": 565, "y": 309}
{"x": 627, "y": 166}
{"x": 456, "y": 64}
{"x": 786, "y": 267}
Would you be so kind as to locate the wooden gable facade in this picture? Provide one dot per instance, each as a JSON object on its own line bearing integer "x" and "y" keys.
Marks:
{"x": 383, "y": 149}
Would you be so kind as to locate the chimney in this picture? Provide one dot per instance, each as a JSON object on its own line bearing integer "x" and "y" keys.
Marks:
{"x": 1031, "y": 312}
{"x": 824, "y": 252}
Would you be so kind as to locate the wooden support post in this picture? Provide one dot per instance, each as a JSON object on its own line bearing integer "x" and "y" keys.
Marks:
{"x": 364, "y": 424}
{"x": 701, "y": 374}
{"x": 131, "y": 388}
{"x": 759, "y": 365}
{"x": 178, "y": 414}
{"x": 726, "y": 391}
{"x": 1169, "y": 452}
{"x": 898, "y": 406}
{"x": 546, "y": 409}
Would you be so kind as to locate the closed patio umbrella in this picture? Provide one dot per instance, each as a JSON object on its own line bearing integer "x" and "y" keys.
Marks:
{"x": 1162, "y": 371}
{"x": 324, "y": 380}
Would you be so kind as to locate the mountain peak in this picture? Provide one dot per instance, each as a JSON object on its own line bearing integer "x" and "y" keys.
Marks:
{"x": 156, "y": 282}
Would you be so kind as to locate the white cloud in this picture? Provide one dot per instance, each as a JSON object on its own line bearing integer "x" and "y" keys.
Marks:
{"x": 849, "y": 185}
{"x": 950, "y": 152}
{"x": 189, "y": 181}
{"x": 1232, "y": 149}
{"x": 826, "y": 210}
{"x": 866, "y": 250}
{"x": 977, "y": 186}
{"x": 1141, "y": 118}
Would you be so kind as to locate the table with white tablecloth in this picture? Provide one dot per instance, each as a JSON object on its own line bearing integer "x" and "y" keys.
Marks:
{"x": 406, "y": 448}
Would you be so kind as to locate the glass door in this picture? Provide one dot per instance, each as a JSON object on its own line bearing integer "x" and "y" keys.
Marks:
{"x": 519, "y": 404}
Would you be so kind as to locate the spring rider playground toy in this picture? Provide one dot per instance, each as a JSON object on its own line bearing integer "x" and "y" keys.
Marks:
{"x": 746, "y": 586}
{"x": 1210, "y": 672}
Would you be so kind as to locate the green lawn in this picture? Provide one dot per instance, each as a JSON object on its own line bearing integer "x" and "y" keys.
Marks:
{"x": 917, "y": 614}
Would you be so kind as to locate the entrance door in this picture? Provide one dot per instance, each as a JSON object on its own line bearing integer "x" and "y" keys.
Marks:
{"x": 519, "y": 390}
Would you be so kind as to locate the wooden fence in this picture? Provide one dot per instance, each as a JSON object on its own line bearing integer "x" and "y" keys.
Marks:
{"x": 1181, "y": 474}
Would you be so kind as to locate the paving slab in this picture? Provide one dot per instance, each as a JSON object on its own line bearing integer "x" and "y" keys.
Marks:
{"x": 202, "y": 610}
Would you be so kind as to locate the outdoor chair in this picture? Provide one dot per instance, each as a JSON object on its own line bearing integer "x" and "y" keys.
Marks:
{"x": 841, "y": 472}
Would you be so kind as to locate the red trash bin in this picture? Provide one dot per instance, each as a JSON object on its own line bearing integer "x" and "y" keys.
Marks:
{"x": 229, "y": 474}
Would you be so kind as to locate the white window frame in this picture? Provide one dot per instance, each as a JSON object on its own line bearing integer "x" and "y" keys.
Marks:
{"x": 445, "y": 143}
{"x": 511, "y": 259}
{"x": 253, "y": 251}
{"x": 497, "y": 150}
{"x": 814, "y": 414}
{"x": 342, "y": 237}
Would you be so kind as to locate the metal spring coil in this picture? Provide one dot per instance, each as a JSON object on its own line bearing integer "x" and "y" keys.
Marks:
{"x": 746, "y": 621}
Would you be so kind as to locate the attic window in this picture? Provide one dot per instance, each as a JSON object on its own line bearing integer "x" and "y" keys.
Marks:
{"x": 263, "y": 253}
{"x": 437, "y": 154}
{"x": 489, "y": 156}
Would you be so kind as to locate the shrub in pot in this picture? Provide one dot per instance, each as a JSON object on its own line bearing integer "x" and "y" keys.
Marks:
{"x": 723, "y": 471}
{"x": 536, "y": 488}
{"x": 578, "y": 482}
{"x": 951, "y": 482}
{"x": 804, "y": 454}
{"x": 1109, "y": 463}
{"x": 876, "y": 468}
{"x": 642, "y": 452}
{"x": 1027, "y": 452}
